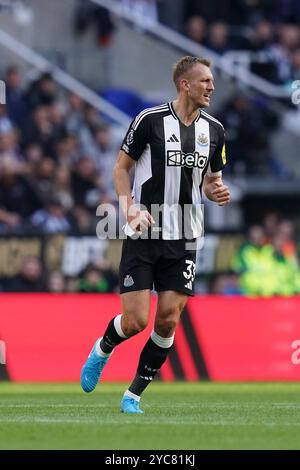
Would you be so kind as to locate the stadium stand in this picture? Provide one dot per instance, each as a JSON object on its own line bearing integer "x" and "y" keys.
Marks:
{"x": 57, "y": 151}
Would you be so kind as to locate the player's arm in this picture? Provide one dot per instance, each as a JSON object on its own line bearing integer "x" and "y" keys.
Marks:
{"x": 213, "y": 186}
{"x": 137, "y": 219}
{"x": 215, "y": 190}
{"x": 133, "y": 146}
{"x": 121, "y": 180}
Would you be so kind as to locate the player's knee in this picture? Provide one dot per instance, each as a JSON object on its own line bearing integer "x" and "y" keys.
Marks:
{"x": 166, "y": 324}
{"x": 133, "y": 326}
{"x": 167, "y": 328}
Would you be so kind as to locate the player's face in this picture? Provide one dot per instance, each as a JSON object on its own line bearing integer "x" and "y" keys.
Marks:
{"x": 200, "y": 85}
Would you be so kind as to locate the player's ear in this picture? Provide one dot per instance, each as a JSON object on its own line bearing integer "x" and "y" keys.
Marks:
{"x": 185, "y": 84}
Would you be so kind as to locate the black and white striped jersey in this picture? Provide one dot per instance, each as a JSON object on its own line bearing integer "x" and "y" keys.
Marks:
{"x": 171, "y": 161}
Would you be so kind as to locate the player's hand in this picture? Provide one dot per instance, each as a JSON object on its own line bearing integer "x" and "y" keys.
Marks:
{"x": 220, "y": 194}
{"x": 139, "y": 220}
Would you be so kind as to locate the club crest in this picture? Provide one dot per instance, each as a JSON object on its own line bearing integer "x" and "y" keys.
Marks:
{"x": 202, "y": 140}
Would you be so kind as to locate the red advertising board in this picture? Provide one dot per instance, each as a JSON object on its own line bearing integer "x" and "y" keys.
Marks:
{"x": 247, "y": 339}
{"x": 48, "y": 337}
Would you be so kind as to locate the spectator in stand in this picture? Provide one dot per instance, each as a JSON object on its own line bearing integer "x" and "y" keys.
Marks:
{"x": 286, "y": 232}
{"x": 86, "y": 184}
{"x": 9, "y": 145}
{"x": 42, "y": 92}
{"x": 30, "y": 279}
{"x": 33, "y": 156}
{"x": 40, "y": 130}
{"x": 262, "y": 36}
{"x": 105, "y": 267}
{"x": 196, "y": 29}
{"x": 15, "y": 97}
{"x": 280, "y": 52}
{"x": 218, "y": 38}
{"x": 71, "y": 283}
{"x": 67, "y": 151}
{"x": 268, "y": 268}
{"x": 92, "y": 122}
{"x": 253, "y": 263}
{"x": 74, "y": 113}
{"x": 251, "y": 248}
{"x": 42, "y": 179}
{"x": 93, "y": 279}
{"x": 82, "y": 221}
{"x": 61, "y": 187}
{"x": 17, "y": 195}
{"x": 57, "y": 118}
{"x": 270, "y": 225}
{"x": 104, "y": 155}
{"x": 51, "y": 219}
{"x": 247, "y": 126}
{"x": 56, "y": 282}
{"x": 285, "y": 266}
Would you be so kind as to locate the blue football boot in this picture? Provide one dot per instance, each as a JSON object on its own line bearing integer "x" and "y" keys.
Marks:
{"x": 130, "y": 405}
{"x": 92, "y": 369}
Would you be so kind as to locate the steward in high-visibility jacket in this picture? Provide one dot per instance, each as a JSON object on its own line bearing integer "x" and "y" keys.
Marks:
{"x": 266, "y": 272}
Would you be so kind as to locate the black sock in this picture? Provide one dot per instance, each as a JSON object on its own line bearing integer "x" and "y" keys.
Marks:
{"x": 151, "y": 359}
{"x": 111, "y": 338}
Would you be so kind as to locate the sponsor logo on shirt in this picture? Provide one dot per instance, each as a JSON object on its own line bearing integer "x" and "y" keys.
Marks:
{"x": 190, "y": 160}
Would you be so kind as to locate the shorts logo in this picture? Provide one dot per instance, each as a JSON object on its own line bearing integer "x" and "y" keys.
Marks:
{"x": 190, "y": 160}
{"x": 202, "y": 140}
{"x": 130, "y": 135}
{"x": 128, "y": 281}
{"x": 189, "y": 274}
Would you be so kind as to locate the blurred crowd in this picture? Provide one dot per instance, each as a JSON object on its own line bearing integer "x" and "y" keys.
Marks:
{"x": 266, "y": 264}
{"x": 96, "y": 277}
{"x": 56, "y": 159}
{"x": 268, "y": 29}
{"x": 249, "y": 124}
{"x": 57, "y": 152}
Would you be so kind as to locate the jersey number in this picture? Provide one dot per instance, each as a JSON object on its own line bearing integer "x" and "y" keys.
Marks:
{"x": 189, "y": 274}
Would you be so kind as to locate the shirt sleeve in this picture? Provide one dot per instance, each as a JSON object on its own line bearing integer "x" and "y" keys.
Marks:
{"x": 218, "y": 160}
{"x": 137, "y": 137}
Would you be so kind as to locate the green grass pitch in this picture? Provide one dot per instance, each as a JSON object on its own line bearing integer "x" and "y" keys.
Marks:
{"x": 177, "y": 416}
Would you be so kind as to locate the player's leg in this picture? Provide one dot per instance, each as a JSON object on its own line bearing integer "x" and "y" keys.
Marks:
{"x": 174, "y": 275}
{"x": 136, "y": 309}
{"x": 155, "y": 352}
{"x": 136, "y": 281}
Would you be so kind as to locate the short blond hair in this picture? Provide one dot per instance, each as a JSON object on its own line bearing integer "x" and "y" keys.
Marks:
{"x": 185, "y": 64}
